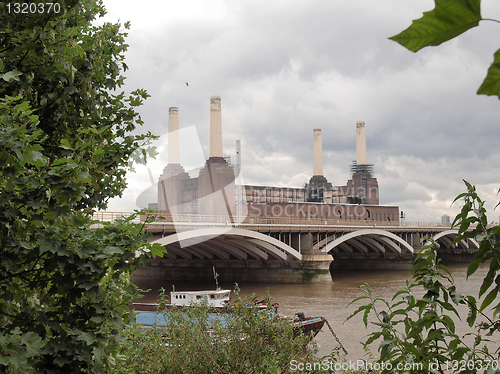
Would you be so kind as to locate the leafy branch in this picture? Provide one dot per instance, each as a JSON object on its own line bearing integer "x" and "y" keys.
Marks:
{"x": 431, "y": 338}
{"x": 449, "y": 19}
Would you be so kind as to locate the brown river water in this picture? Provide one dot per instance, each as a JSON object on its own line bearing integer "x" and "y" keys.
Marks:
{"x": 330, "y": 300}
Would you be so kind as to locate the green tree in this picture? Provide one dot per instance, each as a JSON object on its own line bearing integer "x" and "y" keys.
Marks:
{"x": 447, "y": 20}
{"x": 66, "y": 146}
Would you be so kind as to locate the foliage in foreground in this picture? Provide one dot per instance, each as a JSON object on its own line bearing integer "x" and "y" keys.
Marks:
{"x": 447, "y": 20}
{"x": 245, "y": 340}
{"x": 65, "y": 148}
{"x": 417, "y": 333}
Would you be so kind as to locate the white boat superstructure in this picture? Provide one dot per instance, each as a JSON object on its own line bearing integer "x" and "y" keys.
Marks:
{"x": 216, "y": 298}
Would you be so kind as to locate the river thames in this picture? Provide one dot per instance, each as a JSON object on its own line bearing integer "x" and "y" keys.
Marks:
{"x": 330, "y": 300}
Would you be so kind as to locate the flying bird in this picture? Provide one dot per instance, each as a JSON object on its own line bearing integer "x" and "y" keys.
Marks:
{"x": 187, "y": 84}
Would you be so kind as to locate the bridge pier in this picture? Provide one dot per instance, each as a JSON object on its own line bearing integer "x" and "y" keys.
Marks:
{"x": 316, "y": 266}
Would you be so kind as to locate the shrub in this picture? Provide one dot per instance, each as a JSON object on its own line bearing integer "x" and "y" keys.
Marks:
{"x": 196, "y": 339}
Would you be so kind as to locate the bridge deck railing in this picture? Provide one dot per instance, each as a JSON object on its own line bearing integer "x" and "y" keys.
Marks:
{"x": 183, "y": 219}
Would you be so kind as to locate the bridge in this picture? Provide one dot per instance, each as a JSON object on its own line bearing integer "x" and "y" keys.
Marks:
{"x": 286, "y": 249}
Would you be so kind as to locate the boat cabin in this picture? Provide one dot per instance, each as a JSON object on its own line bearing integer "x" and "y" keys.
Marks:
{"x": 217, "y": 298}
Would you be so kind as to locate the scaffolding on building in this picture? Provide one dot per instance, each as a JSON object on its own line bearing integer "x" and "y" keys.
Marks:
{"x": 366, "y": 172}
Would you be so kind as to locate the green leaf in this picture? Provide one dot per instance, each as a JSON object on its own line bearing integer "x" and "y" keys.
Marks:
{"x": 86, "y": 337}
{"x": 420, "y": 265}
{"x": 385, "y": 347}
{"x": 66, "y": 145}
{"x": 455, "y": 296}
{"x": 36, "y": 158}
{"x": 358, "y": 298}
{"x": 98, "y": 353}
{"x": 444, "y": 268}
{"x": 487, "y": 281}
{"x": 447, "y": 20}
{"x": 22, "y": 107}
{"x": 460, "y": 196}
{"x": 79, "y": 50}
{"x": 98, "y": 155}
{"x": 491, "y": 84}
{"x": 449, "y": 323}
{"x": 157, "y": 250}
{"x": 497, "y": 310}
{"x": 33, "y": 343}
{"x": 373, "y": 337}
{"x": 11, "y": 75}
{"x": 70, "y": 90}
{"x": 489, "y": 299}
{"x": 60, "y": 161}
{"x": 366, "y": 309}
{"x": 449, "y": 308}
{"x": 473, "y": 266}
{"x": 398, "y": 312}
{"x": 400, "y": 292}
{"x": 471, "y": 317}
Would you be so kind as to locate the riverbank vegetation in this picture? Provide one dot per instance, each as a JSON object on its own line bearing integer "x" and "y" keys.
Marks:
{"x": 197, "y": 339}
{"x": 246, "y": 339}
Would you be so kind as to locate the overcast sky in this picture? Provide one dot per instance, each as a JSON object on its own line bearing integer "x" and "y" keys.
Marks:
{"x": 285, "y": 67}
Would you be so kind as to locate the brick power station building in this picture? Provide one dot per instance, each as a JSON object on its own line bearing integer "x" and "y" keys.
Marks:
{"x": 215, "y": 192}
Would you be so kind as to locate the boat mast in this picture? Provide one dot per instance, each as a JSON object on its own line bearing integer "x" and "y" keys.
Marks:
{"x": 215, "y": 277}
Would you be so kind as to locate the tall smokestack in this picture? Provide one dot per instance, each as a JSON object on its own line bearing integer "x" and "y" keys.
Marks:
{"x": 317, "y": 153}
{"x": 360, "y": 143}
{"x": 173, "y": 136}
{"x": 215, "y": 127}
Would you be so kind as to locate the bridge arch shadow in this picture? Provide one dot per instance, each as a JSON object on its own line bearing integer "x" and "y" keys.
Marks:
{"x": 445, "y": 239}
{"x": 364, "y": 244}
{"x": 225, "y": 246}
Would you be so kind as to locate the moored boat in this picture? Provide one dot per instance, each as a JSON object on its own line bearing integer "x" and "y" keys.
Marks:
{"x": 308, "y": 325}
{"x": 218, "y": 301}
{"x": 148, "y": 314}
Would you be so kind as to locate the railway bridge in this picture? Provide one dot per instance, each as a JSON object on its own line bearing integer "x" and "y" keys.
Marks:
{"x": 285, "y": 249}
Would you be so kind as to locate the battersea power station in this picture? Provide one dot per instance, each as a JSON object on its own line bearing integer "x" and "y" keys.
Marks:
{"x": 217, "y": 190}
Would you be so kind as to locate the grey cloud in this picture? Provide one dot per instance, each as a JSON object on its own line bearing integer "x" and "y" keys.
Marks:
{"x": 285, "y": 68}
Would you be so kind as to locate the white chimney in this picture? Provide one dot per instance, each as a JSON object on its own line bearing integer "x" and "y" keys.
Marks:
{"x": 215, "y": 127}
{"x": 360, "y": 143}
{"x": 173, "y": 136}
{"x": 317, "y": 153}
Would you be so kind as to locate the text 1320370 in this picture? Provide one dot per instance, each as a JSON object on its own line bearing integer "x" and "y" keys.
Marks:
{"x": 30, "y": 8}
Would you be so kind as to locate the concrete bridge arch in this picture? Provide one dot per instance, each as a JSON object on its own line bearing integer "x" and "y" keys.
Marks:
{"x": 227, "y": 245}
{"x": 367, "y": 243}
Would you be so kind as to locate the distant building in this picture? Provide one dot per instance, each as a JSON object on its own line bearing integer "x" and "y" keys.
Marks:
{"x": 445, "y": 219}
